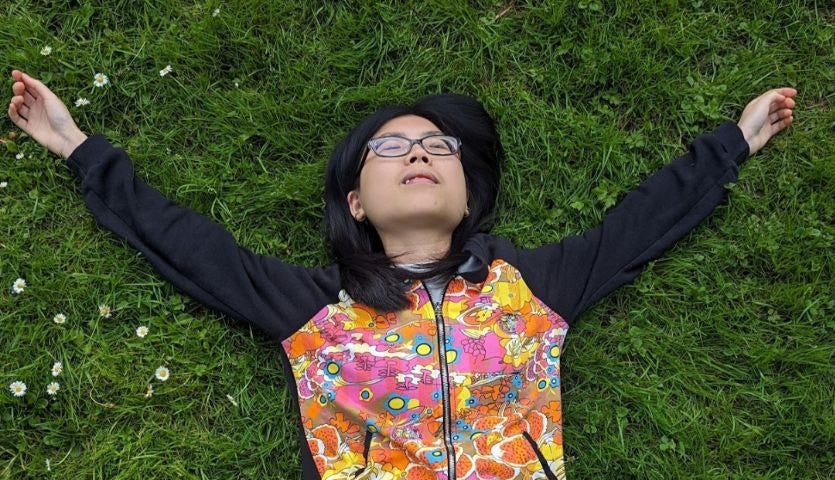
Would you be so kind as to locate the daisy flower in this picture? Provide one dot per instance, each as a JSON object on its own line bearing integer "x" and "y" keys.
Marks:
{"x": 149, "y": 392}
{"x": 59, "y": 318}
{"x": 3, "y": 184}
{"x": 162, "y": 373}
{"x": 165, "y": 71}
{"x": 81, "y": 102}
{"x": 57, "y": 368}
{"x": 100, "y": 80}
{"x": 53, "y": 388}
{"x": 46, "y": 50}
{"x": 18, "y": 286}
{"x": 104, "y": 311}
{"x": 18, "y": 388}
{"x": 19, "y": 156}
{"x": 215, "y": 12}
{"x": 141, "y": 331}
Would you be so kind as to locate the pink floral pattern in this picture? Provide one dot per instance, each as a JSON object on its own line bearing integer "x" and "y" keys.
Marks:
{"x": 358, "y": 370}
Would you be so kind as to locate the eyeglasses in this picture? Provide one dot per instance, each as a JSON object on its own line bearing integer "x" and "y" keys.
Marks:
{"x": 394, "y": 146}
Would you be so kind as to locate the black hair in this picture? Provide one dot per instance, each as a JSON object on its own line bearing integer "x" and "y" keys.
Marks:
{"x": 367, "y": 273}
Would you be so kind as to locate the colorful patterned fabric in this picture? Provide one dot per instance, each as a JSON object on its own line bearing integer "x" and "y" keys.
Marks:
{"x": 360, "y": 373}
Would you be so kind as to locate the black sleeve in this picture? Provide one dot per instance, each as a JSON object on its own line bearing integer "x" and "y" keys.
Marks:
{"x": 197, "y": 255}
{"x": 572, "y": 275}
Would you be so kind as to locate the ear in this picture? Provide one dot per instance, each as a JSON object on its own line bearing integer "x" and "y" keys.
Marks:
{"x": 354, "y": 205}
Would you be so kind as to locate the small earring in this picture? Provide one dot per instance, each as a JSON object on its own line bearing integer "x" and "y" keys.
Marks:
{"x": 467, "y": 212}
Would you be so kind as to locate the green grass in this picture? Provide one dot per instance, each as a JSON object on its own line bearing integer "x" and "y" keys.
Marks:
{"x": 717, "y": 362}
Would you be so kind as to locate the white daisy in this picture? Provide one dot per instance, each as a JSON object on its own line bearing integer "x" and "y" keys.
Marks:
{"x": 149, "y": 392}
{"x": 3, "y": 184}
{"x": 46, "y": 50}
{"x": 59, "y": 318}
{"x": 141, "y": 331}
{"x": 165, "y": 71}
{"x": 100, "y": 80}
{"x": 53, "y": 388}
{"x": 57, "y": 368}
{"x": 231, "y": 400}
{"x": 215, "y": 12}
{"x": 18, "y": 388}
{"x": 18, "y": 286}
{"x": 19, "y": 156}
{"x": 81, "y": 102}
{"x": 104, "y": 311}
{"x": 162, "y": 373}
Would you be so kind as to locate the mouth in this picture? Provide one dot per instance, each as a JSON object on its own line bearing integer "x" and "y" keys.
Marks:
{"x": 419, "y": 179}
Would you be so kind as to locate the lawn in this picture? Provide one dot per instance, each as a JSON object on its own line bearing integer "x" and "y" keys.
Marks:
{"x": 716, "y": 363}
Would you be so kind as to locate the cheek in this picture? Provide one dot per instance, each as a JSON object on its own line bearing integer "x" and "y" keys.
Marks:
{"x": 460, "y": 183}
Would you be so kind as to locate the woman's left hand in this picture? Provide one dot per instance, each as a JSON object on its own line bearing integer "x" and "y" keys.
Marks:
{"x": 766, "y": 115}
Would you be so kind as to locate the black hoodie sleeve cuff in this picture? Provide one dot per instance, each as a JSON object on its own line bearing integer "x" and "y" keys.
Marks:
{"x": 732, "y": 139}
{"x": 86, "y": 153}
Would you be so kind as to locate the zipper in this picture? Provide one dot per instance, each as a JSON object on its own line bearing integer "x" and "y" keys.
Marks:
{"x": 447, "y": 424}
{"x": 542, "y": 461}
{"x": 366, "y": 448}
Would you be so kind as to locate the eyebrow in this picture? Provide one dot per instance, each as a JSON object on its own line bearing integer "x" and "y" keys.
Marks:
{"x": 401, "y": 134}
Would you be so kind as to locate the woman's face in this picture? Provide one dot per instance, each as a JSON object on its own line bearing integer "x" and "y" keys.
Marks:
{"x": 394, "y": 207}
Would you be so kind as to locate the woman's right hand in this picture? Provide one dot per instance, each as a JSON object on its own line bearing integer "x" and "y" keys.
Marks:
{"x": 43, "y": 116}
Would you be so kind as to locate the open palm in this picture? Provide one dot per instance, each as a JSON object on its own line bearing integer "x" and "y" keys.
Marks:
{"x": 36, "y": 110}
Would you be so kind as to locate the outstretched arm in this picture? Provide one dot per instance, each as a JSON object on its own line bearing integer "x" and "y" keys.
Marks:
{"x": 196, "y": 254}
{"x": 572, "y": 275}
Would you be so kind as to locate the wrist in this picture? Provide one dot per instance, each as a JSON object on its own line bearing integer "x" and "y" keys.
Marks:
{"x": 747, "y": 136}
{"x": 72, "y": 142}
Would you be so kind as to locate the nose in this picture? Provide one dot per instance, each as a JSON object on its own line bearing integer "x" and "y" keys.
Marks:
{"x": 413, "y": 153}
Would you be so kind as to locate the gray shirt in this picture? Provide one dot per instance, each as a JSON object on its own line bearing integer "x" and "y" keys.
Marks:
{"x": 436, "y": 285}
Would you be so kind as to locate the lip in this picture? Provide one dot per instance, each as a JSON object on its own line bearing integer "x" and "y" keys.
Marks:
{"x": 419, "y": 173}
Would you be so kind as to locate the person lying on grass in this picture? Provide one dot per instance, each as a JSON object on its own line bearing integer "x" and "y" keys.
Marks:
{"x": 429, "y": 348}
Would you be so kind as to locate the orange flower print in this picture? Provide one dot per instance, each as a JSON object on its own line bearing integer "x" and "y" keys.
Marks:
{"x": 303, "y": 342}
{"x": 503, "y": 451}
{"x": 344, "y": 425}
{"x": 552, "y": 411}
{"x": 386, "y": 320}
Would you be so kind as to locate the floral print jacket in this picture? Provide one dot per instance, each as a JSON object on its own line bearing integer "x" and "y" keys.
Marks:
{"x": 469, "y": 389}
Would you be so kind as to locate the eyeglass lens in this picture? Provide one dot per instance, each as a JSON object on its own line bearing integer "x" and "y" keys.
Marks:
{"x": 396, "y": 146}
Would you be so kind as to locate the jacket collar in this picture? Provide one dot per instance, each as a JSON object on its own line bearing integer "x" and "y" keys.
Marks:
{"x": 474, "y": 270}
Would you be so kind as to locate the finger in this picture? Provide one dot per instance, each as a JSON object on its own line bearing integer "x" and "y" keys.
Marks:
{"x": 782, "y": 113}
{"x": 787, "y": 91}
{"x": 16, "y": 118}
{"x": 17, "y": 100}
{"x": 23, "y": 111}
{"x": 782, "y": 124}
{"x": 35, "y": 87}
{"x": 18, "y": 88}
{"x": 777, "y": 106}
{"x": 786, "y": 122}
{"x": 28, "y": 99}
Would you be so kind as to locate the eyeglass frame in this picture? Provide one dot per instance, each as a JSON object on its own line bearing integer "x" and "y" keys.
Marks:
{"x": 368, "y": 147}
